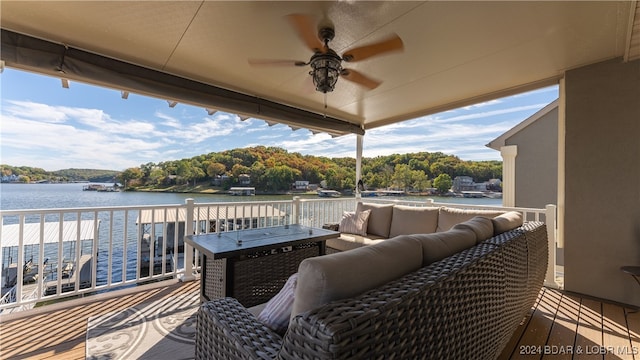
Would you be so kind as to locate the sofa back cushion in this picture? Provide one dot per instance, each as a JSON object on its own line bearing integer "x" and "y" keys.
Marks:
{"x": 448, "y": 217}
{"x": 507, "y": 221}
{"x": 413, "y": 220}
{"x": 440, "y": 245}
{"x": 323, "y": 279}
{"x": 480, "y": 225}
{"x": 379, "y": 219}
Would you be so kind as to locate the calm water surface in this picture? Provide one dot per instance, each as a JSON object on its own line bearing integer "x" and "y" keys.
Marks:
{"x": 54, "y": 196}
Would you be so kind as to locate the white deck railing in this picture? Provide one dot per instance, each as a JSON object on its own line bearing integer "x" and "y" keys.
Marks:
{"x": 93, "y": 250}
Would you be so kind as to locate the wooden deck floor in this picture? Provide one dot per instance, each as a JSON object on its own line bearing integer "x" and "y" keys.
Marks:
{"x": 560, "y": 326}
{"x": 565, "y": 326}
{"x": 61, "y": 333}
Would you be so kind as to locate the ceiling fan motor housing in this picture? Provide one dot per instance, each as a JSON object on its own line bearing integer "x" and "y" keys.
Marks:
{"x": 326, "y": 34}
{"x": 325, "y": 70}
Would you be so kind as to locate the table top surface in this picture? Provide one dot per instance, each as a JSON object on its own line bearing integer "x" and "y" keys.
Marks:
{"x": 632, "y": 270}
{"x": 232, "y": 243}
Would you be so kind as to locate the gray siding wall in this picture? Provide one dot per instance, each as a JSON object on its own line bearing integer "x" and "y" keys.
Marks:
{"x": 537, "y": 162}
{"x": 602, "y": 212}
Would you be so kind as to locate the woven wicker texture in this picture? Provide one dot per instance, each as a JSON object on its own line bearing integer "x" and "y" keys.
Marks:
{"x": 447, "y": 310}
{"x": 516, "y": 267}
{"x": 256, "y": 277}
{"x": 226, "y": 330}
{"x": 213, "y": 281}
{"x": 536, "y": 234}
{"x": 464, "y": 306}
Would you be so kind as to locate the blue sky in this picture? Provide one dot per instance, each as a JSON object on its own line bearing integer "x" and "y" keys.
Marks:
{"x": 47, "y": 126}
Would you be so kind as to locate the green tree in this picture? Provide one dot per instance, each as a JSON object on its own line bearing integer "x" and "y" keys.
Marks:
{"x": 402, "y": 176}
{"x": 130, "y": 174}
{"x": 156, "y": 176}
{"x": 215, "y": 168}
{"x": 239, "y": 169}
{"x": 281, "y": 177}
{"x": 419, "y": 179}
{"x": 443, "y": 183}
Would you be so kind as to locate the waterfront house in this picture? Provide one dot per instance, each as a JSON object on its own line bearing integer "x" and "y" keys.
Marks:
{"x": 455, "y": 54}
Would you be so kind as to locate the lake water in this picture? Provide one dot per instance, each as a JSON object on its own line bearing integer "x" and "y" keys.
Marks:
{"x": 55, "y": 196}
{"x": 61, "y": 196}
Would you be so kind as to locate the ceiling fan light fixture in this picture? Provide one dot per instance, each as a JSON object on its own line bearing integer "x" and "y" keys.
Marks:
{"x": 325, "y": 70}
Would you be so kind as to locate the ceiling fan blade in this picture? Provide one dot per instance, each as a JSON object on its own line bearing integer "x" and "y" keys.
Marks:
{"x": 306, "y": 28}
{"x": 393, "y": 43}
{"x": 360, "y": 79}
{"x": 275, "y": 62}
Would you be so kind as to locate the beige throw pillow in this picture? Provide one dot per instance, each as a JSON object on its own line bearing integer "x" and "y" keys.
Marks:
{"x": 354, "y": 222}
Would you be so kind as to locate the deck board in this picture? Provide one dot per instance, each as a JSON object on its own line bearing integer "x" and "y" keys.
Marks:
{"x": 556, "y": 319}
{"x": 615, "y": 333}
{"x": 61, "y": 334}
{"x": 589, "y": 332}
{"x": 586, "y": 329}
{"x": 559, "y": 346}
{"x": 537, "y": 329}
{"x": 633, "y": 323}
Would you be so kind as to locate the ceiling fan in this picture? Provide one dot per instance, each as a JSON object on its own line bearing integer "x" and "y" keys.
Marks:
{"x": 326, "y": 64}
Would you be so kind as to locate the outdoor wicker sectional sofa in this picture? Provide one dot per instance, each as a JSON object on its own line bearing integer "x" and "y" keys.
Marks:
{"x": 456, "y": 294}
{"x": 388, "y": 220}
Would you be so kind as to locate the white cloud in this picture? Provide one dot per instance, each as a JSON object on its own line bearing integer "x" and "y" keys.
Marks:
{"x": 36, "y": 111}
{"x": 168, "y": 120}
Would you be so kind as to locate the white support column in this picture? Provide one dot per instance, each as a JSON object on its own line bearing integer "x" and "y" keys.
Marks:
{"x": 561, "y": 161}
{"x": 188, "y": 250}
{"x": 550, "y": 221}
{"x": 359, "y": 142}
{"x": 509, "y": 154}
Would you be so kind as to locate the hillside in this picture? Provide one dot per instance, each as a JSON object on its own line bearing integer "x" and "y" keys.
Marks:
{"x": 31, "y": 174}
{"x": 273, "y": 169}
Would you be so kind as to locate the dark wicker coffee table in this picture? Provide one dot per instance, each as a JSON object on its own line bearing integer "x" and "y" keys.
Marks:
{"x": 252, "y": 265}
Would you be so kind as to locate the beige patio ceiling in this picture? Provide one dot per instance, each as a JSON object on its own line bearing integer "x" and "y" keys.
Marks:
{"x": 456, "y": 53}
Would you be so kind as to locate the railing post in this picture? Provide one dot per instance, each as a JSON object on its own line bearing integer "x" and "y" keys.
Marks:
{"x": 551, "y": 221}
{"x": 296, "y": 210}
{"x": 188, "y": 250}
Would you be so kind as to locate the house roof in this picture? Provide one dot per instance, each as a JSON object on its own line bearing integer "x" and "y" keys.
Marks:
{"x": 197, "y": 52}
{"x": 501, "y": 140}
{"x": 71, "y": 231}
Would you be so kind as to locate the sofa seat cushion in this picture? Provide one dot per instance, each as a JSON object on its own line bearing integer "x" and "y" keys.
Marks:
{"x": 351, "y": 241}
{"x": 448, "y": 217}
{"x": 379, "y": 219}
{"x": 342, "y": 275}
{"x": 354, "y": 222}
{"x": 413, "y": 220}
{"x": 507, "y": 221}
{"x": 440, "y": 245}
{"x": 480, "y": 225}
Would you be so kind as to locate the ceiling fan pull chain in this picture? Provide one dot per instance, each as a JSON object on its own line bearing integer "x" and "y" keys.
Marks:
{"x": 325, "y": 105}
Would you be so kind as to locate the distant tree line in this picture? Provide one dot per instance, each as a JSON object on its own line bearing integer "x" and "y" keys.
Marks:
{"x": 274, "y": 169}
{"x": 33, "y": 174}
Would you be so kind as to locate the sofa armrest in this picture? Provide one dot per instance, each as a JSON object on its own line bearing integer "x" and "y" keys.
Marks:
{"x": 227, "y": 330}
